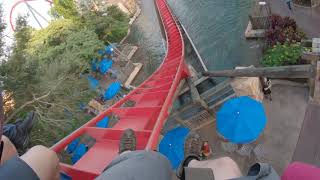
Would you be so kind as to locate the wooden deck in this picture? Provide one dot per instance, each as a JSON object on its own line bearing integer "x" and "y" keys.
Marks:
{"x": 192, "y": 114}
{"x": 308, "y": 146}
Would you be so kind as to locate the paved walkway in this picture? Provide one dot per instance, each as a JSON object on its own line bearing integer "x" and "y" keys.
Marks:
{"x": 308, "y": 148}
{"x": 285, "y": 117}
{"x": 307, "y": 19}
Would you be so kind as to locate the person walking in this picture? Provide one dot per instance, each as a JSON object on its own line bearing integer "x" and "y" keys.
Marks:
{"x": 266, "y": 87}
{"x": 289, "y": 4}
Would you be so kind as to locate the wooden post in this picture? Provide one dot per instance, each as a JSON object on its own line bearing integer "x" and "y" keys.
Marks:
{"x": 2, "y": 117}
{"x": 311, "y": 80}
{"x": 195, "y": 94}
{"x": 295, "y": 71}
{"x": 316, "y": 91}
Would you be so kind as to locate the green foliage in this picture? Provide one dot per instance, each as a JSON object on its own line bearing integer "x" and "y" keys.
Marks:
{"x": 19, "y": 73}
{"x": 83, "y": 46}
{"x": 110, "y": 28}
{"x": 53, "y": 13}
{"x": 44, "y": 69}
{"x": 65, "y": 41}
{"x": 120, "y": 25}
{"x": 55, "y": 34}
{"x": 22, "y": 35}
{"x": 114, "y": 12}
{"x": 283, "y": 30}
{"x": 59, "y": 113}
{"x": 65, "y": 8}
{"x": 2, "y": 28}
{"x": 283, "y": 54}
{"x": 63, "y": 50}
{"x": 116, "y": 33}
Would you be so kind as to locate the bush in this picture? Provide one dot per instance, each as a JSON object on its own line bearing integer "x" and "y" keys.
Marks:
{"x": 64, "y": 41}
{"x": 283, "y": 54}
{"x": 65, "y": 8}
{"x": 110, "y": 28}
{"x": 117, "y": 14}
{"x": 283, "y": 30}
{"x": 45, "y": 67}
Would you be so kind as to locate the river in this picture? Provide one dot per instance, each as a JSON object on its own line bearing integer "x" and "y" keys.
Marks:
{"x": 146, "y": 34}
{"x": 217, "y": 29}
{"x": 215, "y": 26}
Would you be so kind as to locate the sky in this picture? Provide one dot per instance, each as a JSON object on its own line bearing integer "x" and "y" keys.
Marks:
{"x": 39, "y": 5}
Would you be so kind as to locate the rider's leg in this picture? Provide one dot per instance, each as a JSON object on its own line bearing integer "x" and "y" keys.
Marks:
{"x": 43, "y": 161}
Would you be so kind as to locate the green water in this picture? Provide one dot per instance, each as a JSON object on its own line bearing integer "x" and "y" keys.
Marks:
{"x": 146, "y": 34}
{"x": 216, "y": 27}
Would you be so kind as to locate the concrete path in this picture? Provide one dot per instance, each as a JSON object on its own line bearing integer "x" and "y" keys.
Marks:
{"x": 285, "y": 116}
{"x": 307, "y": 19}
{"x": 308, "y": 149}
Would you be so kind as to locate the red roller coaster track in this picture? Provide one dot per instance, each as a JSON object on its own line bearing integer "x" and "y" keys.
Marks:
{"x": 153, "y": 100}
{"x": 15, "y": 5}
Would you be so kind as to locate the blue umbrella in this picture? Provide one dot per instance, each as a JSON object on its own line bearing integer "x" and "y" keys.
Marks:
{"x": 112, "y": 90}
{"x": 109, "y": 49}
{"x": 79, "y": 152}
{"x": 101, "y": 52}
{"x": 105, "y": 65}
{"x": 94, "y": 65}
{"x": 103, "y": 123}
{"x": 172, "y": 145}
{"x": 93, "y": 83}
{"x": 72, "y": 146}
{"x": 241, "y": 120}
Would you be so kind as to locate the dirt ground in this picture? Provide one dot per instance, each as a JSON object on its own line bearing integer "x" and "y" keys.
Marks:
{"x": 285, "y": 116}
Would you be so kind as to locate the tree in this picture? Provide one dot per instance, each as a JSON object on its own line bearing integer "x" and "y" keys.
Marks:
{"x": 66, "y": 8}
{"x": 44, "y": 70}
{"x": 2, "y": 28}
{"x": 53, "y": 13}
{"x": 65, "y": 41}
{"x": 110, "y": 28}
{"x": 22, "y": 35}
{"x": 19, "y": 74}
{"x": 116, "y": 13}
